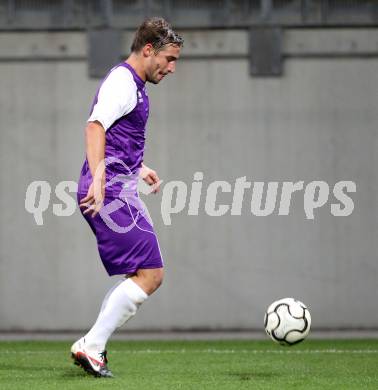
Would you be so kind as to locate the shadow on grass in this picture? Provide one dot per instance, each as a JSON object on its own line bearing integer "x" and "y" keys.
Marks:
{"x": 78, "y": 373}
{"x": 247, "y": 376}
{"x": 74, "y": 373}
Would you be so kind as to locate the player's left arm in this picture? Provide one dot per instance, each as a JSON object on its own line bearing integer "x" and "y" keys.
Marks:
{"x": 150, "y": 177}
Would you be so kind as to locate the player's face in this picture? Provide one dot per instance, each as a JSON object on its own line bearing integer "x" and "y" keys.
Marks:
{"x": 162, "y": 63}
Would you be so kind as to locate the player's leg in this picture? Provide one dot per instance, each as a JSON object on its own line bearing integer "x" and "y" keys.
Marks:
{"x": 149, "y": 279}
{"x": 120, "y": 304}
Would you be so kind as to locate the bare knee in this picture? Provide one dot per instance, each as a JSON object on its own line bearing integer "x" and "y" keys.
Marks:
{"x": 149, "y": 279}
{"x": 155, "y": 278}
{"x": 159, "y": 278}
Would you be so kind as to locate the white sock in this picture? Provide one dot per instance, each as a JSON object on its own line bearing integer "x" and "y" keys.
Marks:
{"x": 119, "y": 305}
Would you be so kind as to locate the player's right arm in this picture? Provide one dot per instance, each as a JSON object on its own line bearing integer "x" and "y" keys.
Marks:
{"x": 95, "y": 147}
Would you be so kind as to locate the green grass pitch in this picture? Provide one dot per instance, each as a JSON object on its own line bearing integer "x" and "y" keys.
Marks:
{"x": 198, "y": 365}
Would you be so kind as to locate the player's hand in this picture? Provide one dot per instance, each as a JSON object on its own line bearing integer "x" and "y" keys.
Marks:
{"x": 150, "y": 177}
{"x": 94, "y": 200}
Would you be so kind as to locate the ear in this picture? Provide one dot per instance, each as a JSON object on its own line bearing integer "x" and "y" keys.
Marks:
{"x": 147, "y": 50}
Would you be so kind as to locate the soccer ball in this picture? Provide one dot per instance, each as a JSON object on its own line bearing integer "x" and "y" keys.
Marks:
{"x": 287, "y": 321}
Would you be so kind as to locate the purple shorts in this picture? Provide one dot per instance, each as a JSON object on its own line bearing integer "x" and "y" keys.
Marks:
{"x": 125, "y": 236}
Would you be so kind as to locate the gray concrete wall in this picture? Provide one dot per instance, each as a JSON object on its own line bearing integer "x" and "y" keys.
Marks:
{"x": 318, "y": 122}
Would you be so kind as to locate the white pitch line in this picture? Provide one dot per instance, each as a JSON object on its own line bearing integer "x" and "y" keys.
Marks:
{"x": 254, "y": 351}
{"x": 218, "y": 351}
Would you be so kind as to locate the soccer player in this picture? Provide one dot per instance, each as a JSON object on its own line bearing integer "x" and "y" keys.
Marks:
{"x": 107, "y": 195}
